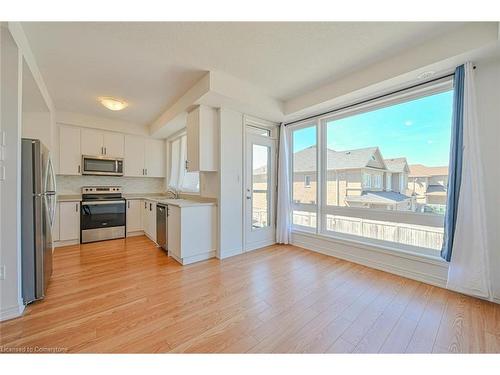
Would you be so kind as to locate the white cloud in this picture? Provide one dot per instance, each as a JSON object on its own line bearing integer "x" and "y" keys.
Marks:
{"x": 408, "y": 123}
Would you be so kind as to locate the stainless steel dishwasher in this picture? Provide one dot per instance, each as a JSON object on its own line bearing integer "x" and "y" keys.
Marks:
{"x": 161, "y": 225}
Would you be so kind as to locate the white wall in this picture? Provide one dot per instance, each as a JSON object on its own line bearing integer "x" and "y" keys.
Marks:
{"x": 488, "y": 104}
{"x": 38, "y": 125}
{"x": 231, "y": 183}
{"x": 10, "y": 188}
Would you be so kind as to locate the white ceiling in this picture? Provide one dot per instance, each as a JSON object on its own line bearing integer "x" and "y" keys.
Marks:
{"x": 152, "y": 64}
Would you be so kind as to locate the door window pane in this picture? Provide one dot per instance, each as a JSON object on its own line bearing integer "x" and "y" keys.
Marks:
{"x": 260, "y": 186}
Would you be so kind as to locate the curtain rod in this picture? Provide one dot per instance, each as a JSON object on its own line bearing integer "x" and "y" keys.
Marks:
{"x": 371, "y": 99}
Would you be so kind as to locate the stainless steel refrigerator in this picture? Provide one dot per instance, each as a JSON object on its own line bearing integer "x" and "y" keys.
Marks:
{"x": 38, "y": 204}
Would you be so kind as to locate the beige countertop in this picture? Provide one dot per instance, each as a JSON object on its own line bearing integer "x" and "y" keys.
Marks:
{"x": 69, "y": 197}
{"x": 155, "y": 197}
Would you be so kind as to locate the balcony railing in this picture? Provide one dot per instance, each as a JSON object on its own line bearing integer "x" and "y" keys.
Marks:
{"x": 404, "y": 233}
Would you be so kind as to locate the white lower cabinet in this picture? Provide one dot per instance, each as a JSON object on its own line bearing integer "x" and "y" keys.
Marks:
{"x": 191, "y": 233}
{"x": 149, "y": 219}
{"x": 134, "y": 216}
{"x": 69, "y": 221}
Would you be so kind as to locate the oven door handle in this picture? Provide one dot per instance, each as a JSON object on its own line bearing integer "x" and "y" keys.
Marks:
{"x": 98, "y": 203}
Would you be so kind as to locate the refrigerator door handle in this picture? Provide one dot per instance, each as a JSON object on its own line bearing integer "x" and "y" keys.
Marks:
{"x": 51, "y": 204}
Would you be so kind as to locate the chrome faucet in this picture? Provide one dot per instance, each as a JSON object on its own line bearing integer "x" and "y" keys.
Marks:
{"x": 173, "y": 192}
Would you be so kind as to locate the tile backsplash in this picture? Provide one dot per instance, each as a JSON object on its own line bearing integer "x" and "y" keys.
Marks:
{"x": 73, "y": 184}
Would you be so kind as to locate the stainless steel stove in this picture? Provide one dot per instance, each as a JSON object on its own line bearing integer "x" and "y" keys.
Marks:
{"x": 103, "y": 213}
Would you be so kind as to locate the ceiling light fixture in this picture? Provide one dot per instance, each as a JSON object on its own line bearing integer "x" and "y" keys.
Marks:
{"x": 112, "y": 103}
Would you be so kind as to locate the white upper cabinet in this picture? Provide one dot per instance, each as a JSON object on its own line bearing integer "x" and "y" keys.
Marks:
{"x": 96, "y": 142}
{"x": 91, "y": 142}
{"x": 144, "y": 157}
{"x": 134, "y": 156}
{"x": 113, "y": 144}
{"x": 201, "y": 131}
{"x": 70, "y": 155}
{"x": 155, "y": 158}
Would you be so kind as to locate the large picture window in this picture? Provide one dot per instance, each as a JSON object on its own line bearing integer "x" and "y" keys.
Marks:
{"x": 383, "y": 171}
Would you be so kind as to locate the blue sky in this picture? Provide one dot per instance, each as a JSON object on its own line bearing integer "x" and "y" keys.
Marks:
{"x": 420, "y": 130}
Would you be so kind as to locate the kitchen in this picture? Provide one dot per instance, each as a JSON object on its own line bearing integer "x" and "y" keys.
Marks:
{"x": 112, "y": 185}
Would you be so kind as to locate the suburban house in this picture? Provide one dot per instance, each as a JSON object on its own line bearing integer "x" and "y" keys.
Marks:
{"x": 355, "y": 178}
{"x": 428, "y": 185}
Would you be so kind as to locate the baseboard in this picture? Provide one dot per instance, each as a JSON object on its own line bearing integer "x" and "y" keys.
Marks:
{"x": 136, "y": 233}
{"x": 193, "y": 259}
{"x": 11, "y": 312}
{"x": 66, "y": 243}
{"x": 230, "y": 253}
{"x": 424, "y": 270}
{"x": 259, "y": 245}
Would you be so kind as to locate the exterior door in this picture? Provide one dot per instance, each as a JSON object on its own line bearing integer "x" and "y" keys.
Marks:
{"x": 260, "y": 191}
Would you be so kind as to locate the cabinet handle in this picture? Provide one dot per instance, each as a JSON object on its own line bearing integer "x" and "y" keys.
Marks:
{"x": 145, "y": 204}
{"x": 78, "y": 169}
{"x": 128, "y": 204}
{"x": 76, "y": 207}
{"x": 105, "y": 150}
{"x": 146, "y": 171}
{"x": 187, "y": 162}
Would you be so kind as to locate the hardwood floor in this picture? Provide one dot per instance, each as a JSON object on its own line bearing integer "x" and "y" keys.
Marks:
{"x": 128, "y": 296}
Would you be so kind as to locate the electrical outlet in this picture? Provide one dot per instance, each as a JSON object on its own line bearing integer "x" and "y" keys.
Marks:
{"x": 2, "y": 272}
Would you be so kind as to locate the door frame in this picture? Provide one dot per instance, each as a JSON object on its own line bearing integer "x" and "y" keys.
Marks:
{"x": 273, "y": 128}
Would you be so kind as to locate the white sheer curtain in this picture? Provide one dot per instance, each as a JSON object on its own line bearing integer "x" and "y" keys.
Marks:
{"x": 468, "y": 271}
{"x": 179, "y": 178}
{"x": 283, "y": 225}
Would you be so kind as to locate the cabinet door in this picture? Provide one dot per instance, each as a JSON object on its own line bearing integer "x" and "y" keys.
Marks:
{"x": 155, "y": 158}
{"x": 69, "y": 221}
{"x": 152, "y": 220}
{"x": 113, "y": 144}
{"x": 133, "y": 162}
{"x": 134, "y": 215}
{"x": 70, "y": 155}
{"x": 145, "y": 217}
{"x": 174, "y": 231}
{"x": 92, "y": 142}
{"x": 193, "y": 140}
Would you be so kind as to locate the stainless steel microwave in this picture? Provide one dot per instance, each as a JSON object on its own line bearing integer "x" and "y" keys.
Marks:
{"x": 102, "y": 166}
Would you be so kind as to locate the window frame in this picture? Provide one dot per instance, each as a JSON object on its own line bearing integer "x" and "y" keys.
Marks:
{"x": 178, "y": 137}
{"x": 322, "y": 209}
{"x": 306, "y": 207}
